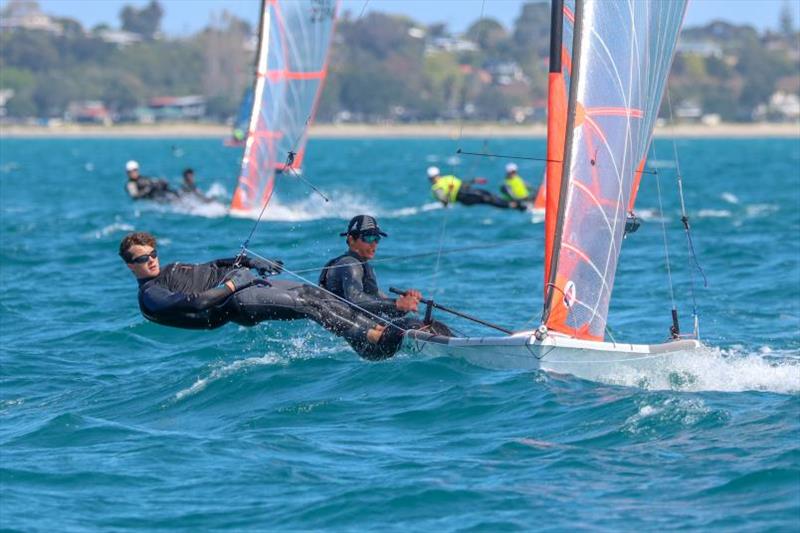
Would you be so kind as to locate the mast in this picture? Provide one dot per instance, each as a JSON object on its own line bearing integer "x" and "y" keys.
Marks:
{"x": 561, "y": 152}
{"x": 244, "y": 195}
{"x": 556, "y": 130}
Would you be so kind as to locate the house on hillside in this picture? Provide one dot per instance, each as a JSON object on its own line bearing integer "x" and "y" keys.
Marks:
{"x": 450, "y": 44}
{"x": 507, "y": 72}
{"x": 89, "y": 112}
{"x": 119, "y": 37}
{"x": 782, "y": 106}
{"x": 699, "y": 48}
{"x": 25, "y": 14}
{"x": 191, "y": 107}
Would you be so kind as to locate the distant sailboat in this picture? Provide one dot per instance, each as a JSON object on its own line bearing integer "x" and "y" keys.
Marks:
{"x": 242, "y": 122}
{"x": 291, "y": 66}
{"x": 609, "y": 63}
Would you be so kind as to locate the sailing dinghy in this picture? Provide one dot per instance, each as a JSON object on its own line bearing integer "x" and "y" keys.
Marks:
{"x": 291, "y": 66}
{"x": 609, "y": 63}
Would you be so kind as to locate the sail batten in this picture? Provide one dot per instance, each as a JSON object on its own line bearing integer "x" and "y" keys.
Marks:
{"x": 291, "y": 67}
{"x": 621, "y": 55}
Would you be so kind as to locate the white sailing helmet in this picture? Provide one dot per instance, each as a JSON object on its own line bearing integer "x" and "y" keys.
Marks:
{"x": 511, "y": 167}
{"x": 433, "y": 172}
{"x": 131, "y": 165}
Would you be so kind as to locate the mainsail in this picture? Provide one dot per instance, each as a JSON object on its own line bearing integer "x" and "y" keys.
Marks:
{"x": 242, "y": 123}
{"x": 622, "y": 51}
{"x": 291, "y": 65}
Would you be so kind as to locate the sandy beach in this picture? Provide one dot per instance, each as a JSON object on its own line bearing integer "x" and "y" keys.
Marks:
{"x": 449, "y": 130}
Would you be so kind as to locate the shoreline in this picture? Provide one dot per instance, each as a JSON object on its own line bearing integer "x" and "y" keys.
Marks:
{"x": 348, "y": 131}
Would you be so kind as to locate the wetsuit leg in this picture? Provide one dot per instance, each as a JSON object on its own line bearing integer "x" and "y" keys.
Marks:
{"x": 470, "y": 196}
{"x": 392, "y": 337}
{"x": 286, "y": 300}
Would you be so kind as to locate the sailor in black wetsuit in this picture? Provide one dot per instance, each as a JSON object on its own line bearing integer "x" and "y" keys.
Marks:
{"x": 351, "y": 277}
{"x": 139, "y": 187}
{"x": 189, "y": 188}
{"x": 206, "y": 296}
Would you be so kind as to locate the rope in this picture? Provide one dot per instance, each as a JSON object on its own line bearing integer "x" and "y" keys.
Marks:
{"x": 506, "y": 156}
{"x": 363, "y": 8}
{"x": 664, "y": 234}
{"x": 423, "y": 254}
{"x": 442, "y": 234}
{"x": 461, "y": 115}
{"x": 685, "y": 221}
{"x": 289, "y": 159}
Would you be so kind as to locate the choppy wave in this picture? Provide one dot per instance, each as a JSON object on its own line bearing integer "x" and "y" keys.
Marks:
{"x": 111, "y": 422}
{"x": 715, "y": 369}
{"x": 714, "y": 213}
{"x": 116, "y": 227}
{"x": 227, "y": 370}
{"x": 343, "y": 205}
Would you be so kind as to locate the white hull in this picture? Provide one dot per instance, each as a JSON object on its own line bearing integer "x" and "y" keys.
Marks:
{"x": 555, "y": 353}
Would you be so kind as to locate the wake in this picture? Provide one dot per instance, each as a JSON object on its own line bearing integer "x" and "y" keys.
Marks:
{"x": 715, "y": 369}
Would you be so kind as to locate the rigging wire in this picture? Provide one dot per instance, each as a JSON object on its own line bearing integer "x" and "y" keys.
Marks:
{"x": 363, "y": 8}
{"x": 664, "y": 235}
{"x": 424, "y": 254}
{"x": 461, "y": 115}
{"x": 506, "y": 156}
{"x": 686, "y": 228}
{"x": 309, "y": 282}
{"x": 443, "y": 230}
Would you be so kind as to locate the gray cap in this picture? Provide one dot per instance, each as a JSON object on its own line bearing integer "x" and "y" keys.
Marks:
{"x": 363, "y": 225}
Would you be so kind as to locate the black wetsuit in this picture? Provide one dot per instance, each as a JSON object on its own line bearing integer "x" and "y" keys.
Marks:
{"x": 143, "y": 188}
{"x": 194, "y": 296}
{"x": 351, "y": 277}
{"x": 470, "y": 196}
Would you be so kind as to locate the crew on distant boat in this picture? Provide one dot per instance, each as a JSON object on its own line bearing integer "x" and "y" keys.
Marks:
{"x": 209, "y": 295}
{"x": 449, "y": 189}
{"x": 514, "y": 187}
{"x": 189, "y": 188}
{"x": 141, "y": 187}
{"x": 351, "y": 277}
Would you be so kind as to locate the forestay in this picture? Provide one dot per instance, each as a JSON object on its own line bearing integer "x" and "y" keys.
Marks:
{"x": 622, "y": 52}
{"x": 291, "y": 66}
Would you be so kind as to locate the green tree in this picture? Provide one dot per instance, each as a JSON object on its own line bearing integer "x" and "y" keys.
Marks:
{"x": 488, "y": 34}
{"x": 786, "y": 20}
{"x": 32, "y": 50}
{"x": 145, "y": 22}
{"x": 532, "y": 32}
{"x": 22, "y": 82}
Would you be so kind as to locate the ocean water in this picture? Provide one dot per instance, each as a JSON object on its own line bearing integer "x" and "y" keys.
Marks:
{"x": 108, "y": 422}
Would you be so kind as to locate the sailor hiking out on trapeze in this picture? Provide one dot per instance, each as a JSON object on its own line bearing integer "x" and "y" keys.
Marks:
{"x": 209, "y": 295}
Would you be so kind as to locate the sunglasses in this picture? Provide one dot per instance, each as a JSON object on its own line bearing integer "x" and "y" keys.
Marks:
{"x": 142, "y": 259}
{"x": 369, "y": 239}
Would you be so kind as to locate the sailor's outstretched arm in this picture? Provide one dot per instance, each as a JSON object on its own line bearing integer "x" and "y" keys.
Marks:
{"x": 158, "y": 299}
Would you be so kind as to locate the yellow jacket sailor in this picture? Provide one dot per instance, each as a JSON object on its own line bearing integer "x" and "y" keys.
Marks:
{"x": 449, "y": 189}
{"x": 514, "y": 187}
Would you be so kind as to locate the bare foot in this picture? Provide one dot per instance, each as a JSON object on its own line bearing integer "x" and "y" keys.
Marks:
{"x": 374, "y": 334}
